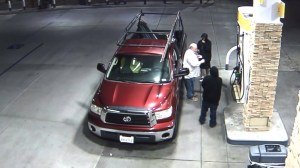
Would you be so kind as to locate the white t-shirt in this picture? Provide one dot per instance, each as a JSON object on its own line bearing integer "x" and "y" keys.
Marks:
{"x": 191, "y": 62}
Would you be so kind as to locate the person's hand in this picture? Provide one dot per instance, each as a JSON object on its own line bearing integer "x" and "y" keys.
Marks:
{"x": 202, "y": 61}
{"x": 199, "y": 56}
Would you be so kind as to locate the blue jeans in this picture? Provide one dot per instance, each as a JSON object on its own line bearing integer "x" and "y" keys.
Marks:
{"x": 189, "y": 85}
{"x": 213, "y": 112}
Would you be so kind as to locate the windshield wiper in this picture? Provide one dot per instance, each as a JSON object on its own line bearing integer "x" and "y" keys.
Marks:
{"x": 146, "y": 81}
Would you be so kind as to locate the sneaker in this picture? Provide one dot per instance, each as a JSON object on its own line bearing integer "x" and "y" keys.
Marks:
{"x": 193, "y": 99}
{"x": 211, "y": 125}
{"x": 201, "y": 121}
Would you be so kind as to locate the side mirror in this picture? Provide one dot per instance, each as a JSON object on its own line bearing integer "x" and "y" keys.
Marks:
{"x": 182, "y": 72}
{"x": 101, "y": 67}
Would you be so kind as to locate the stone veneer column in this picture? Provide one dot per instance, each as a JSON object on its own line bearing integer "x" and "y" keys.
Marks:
{"x": 264, "y": 60}
{"x": 293, "y": 159}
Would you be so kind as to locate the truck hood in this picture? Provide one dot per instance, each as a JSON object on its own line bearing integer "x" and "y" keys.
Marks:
{"x": 141, "y": 95}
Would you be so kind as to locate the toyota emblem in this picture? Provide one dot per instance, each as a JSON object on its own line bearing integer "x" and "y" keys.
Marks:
{"x": 127, "y": 119}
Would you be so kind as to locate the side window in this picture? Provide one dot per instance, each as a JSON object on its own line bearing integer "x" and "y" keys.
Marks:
{"x": 175, "y": 57}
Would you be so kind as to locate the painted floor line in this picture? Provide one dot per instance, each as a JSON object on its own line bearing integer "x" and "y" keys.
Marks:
{"x": 19, "y": 60}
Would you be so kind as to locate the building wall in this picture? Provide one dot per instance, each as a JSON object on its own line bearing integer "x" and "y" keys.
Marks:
{"x": 293, "y": 159}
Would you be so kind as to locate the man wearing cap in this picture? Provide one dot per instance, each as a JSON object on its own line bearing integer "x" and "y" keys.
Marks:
{"x": 135, "y": 65}
{"x": 191, "y": 61}
{"x": 204, "y": 46}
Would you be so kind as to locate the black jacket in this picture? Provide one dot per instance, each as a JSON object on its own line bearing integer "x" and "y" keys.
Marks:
{"x": 205, "y": 49}
{"x": 212, "y": 86}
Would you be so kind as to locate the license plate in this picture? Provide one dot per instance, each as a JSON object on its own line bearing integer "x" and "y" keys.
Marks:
{"x": 126, "y": 139}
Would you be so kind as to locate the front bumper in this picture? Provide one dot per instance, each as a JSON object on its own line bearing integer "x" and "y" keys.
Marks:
{"x": 138, "y": 136}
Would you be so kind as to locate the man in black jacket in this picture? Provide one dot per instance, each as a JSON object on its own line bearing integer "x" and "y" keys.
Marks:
{"x": 204, "y": 47}
{"x": 212, "y": 85}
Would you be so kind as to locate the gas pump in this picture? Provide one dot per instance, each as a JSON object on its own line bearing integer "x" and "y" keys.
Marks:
{"x": 261, "y": 11}
{"x": 239, "y": 79}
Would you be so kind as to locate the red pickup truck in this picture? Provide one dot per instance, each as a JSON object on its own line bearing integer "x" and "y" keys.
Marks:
{"x": 137, "y": 100}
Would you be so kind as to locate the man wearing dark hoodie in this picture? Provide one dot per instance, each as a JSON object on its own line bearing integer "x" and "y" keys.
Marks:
{"x": 212, "y": 85}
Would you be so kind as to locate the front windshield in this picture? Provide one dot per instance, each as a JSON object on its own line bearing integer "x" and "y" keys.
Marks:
{"x": 139, "y": 68}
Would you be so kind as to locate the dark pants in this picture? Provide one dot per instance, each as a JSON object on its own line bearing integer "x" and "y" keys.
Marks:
{"x": 189, "y": 85}
{"x": 213, "y": 112}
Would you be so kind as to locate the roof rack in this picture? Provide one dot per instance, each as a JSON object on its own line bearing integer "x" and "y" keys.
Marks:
{"x": 144, "y": 30}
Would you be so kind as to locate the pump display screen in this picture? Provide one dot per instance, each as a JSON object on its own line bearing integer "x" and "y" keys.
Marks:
{"x": 273, "y": 148}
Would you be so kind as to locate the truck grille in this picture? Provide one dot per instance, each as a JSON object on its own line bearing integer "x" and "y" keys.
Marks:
{"x": 129, "y": 116}
{"x": 127, "y": 119}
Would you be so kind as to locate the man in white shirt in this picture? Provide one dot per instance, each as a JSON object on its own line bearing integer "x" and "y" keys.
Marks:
{"x": 191, "y": 61}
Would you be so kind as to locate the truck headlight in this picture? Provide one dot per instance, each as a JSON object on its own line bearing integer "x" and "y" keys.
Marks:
{"x": 96, "y": 109}
{"x": 163, "y": 114}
